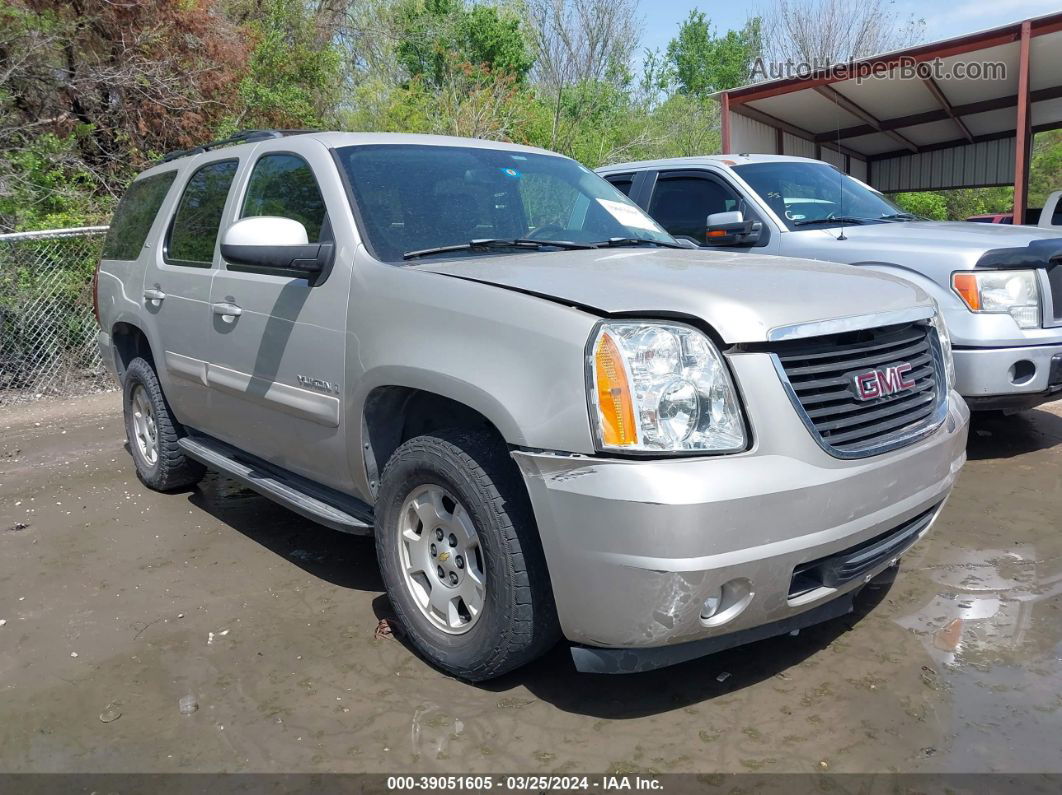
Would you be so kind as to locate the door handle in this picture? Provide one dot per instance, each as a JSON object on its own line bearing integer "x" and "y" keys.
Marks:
{"x": 154, "y": 295}
{"x": 228, "y": 312}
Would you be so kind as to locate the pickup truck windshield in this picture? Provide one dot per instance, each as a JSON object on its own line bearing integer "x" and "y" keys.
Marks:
{"x": 415, "y": 198}
{"x": 813, "y": 195}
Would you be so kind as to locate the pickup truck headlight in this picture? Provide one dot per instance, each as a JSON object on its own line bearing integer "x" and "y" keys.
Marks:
{"x": 945, "y": 347}
{"x": 1016, "y": 293}
{"x": 661, "y": 387}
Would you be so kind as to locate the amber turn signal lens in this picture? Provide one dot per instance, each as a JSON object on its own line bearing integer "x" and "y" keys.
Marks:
{"x": 965, "y": 284}
{"x": 613, "y": 395}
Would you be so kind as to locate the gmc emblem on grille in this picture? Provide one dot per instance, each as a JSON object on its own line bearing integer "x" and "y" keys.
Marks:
{"x": 882, "y": 382}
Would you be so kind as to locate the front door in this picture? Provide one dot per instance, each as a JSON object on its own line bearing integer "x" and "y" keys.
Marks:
{"x": 278, "y": 343}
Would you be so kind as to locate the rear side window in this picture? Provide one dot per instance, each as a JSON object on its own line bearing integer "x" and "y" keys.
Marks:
{"x": 195, "y": 224}
{"x": 622, "y": 182}
{"x": 284, "y": 185}
{"x": 136, "y": 211}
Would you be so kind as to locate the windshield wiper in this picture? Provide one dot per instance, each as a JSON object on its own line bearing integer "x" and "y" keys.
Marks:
{"x": 902, "y": 217}
{"x": 497, "y": 243}
{"x": 837, "y": 220}
{"x": 619, "y": 242}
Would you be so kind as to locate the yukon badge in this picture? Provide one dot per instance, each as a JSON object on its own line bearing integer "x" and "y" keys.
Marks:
{"x": 883, "y": 382}
{"x": 317, "y": 384}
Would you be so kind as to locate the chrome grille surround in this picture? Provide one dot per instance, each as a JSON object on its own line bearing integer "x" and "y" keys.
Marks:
{"x": 844, "y": 426}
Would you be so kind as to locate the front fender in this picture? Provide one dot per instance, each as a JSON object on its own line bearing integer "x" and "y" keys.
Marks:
{"x": 516, "y": 359}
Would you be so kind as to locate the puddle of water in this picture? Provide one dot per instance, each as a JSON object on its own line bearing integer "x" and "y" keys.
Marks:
{"x": 992, "y": 629}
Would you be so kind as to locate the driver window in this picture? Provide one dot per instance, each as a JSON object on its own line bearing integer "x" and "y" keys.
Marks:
{"x": 283, "y": 185}
{"x": 682, "y": 204}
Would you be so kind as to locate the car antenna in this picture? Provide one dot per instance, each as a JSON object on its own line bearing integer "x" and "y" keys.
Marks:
{"x": 840, "y": 172}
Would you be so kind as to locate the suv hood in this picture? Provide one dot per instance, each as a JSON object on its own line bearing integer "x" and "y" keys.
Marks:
{"x": 742, "y": 296}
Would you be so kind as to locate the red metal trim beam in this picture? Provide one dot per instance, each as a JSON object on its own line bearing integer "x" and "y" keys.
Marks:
{"x": 935, "y": 90}
{"x": 1023, "y": 143}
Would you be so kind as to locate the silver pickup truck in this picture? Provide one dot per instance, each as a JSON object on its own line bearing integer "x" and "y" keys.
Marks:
{"x": 999, "y": 287}
{"x": 553, "y": 417}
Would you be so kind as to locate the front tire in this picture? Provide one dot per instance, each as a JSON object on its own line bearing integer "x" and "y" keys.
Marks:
{"x": 460, "y": 556}
{"x": 153, "y": 432}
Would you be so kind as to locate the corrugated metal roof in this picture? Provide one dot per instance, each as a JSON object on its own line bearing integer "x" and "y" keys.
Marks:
{"x": 949, "y": 129}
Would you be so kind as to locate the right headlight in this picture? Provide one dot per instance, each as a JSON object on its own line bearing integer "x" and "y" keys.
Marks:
{"x": 1012, "y": 292}
{"x": 661, "y": 387}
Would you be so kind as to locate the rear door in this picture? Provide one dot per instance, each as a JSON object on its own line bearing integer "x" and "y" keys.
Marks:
{"x": 277, "y": 343}
{"x": 176, "y": 289}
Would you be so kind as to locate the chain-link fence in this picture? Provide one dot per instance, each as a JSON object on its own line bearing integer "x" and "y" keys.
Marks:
{"x": 47, "y": 328}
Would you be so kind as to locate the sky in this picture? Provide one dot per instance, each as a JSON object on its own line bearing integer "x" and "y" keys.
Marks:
{"x": 944, "y": 18}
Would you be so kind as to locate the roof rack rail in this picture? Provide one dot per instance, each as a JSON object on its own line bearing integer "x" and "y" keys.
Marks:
{"x": 241, "y": 137}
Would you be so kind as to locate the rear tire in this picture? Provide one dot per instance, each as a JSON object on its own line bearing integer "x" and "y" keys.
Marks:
{"x": 452, "y": 507}
{"x": 153, "y": 432}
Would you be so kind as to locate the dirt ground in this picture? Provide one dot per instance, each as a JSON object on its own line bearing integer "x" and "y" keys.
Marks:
{"x": 117, "y": 602}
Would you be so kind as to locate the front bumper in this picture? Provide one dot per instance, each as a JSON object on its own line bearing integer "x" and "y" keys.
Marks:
{"x": 635, "y": 547}
{"x": 1002, "y": 378}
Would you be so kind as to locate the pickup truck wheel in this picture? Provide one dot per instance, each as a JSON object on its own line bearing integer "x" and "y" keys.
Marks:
{"x": 153, "y": 432}
{"x": 460, "y": 556}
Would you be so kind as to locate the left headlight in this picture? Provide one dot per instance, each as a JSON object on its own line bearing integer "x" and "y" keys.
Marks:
{"x": 945, "y": 346}
{"x": 661, "y": 387}
{"x": 1012, "y": 292}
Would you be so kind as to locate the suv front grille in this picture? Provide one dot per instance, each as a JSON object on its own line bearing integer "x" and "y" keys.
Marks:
{"x": 819, "y": 374}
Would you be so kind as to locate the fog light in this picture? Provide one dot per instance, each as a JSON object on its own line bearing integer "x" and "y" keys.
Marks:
{"x": 727, "y": 603}
{"x": 711, "y": 605}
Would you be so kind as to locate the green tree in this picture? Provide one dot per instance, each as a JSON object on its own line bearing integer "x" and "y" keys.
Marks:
{"x": 293, "y": 77}
{"x": 437, "y": 36}
{"x": 958, "y": 204}
{"x": 702, "y": 62}
{"x": 926, "y": 204}
{"x": 1045, "y": 168}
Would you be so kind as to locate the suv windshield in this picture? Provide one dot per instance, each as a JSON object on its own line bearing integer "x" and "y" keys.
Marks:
{"x": 811, "y": 195}
{"x": 416, "y": 198}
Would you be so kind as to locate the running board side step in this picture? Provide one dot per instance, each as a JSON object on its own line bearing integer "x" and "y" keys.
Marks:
{"x": 315, "y": 502}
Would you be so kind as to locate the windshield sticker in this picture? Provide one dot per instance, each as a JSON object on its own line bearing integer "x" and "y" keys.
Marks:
{"x": 510, "y": 172}
{"x": 518, "y": 157}
{"x": 628, "y": 215}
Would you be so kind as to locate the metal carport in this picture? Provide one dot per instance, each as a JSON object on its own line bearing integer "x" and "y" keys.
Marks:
{"x": 962, "y": 116}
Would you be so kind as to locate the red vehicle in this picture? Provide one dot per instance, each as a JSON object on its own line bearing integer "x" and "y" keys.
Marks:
{"x": 993, "y": 218}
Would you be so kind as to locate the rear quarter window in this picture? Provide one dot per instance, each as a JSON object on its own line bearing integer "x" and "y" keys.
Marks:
{"x": 134, "y": 216}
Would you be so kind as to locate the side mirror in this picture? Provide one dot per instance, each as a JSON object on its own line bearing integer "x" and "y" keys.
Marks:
{"x": 731, "y": 229}
{"x": 275, "y": 244}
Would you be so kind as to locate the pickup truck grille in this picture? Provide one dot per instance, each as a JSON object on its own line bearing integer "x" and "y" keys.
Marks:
{"x": 820, "y": 376}
{"x": 1054, "y": 278}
